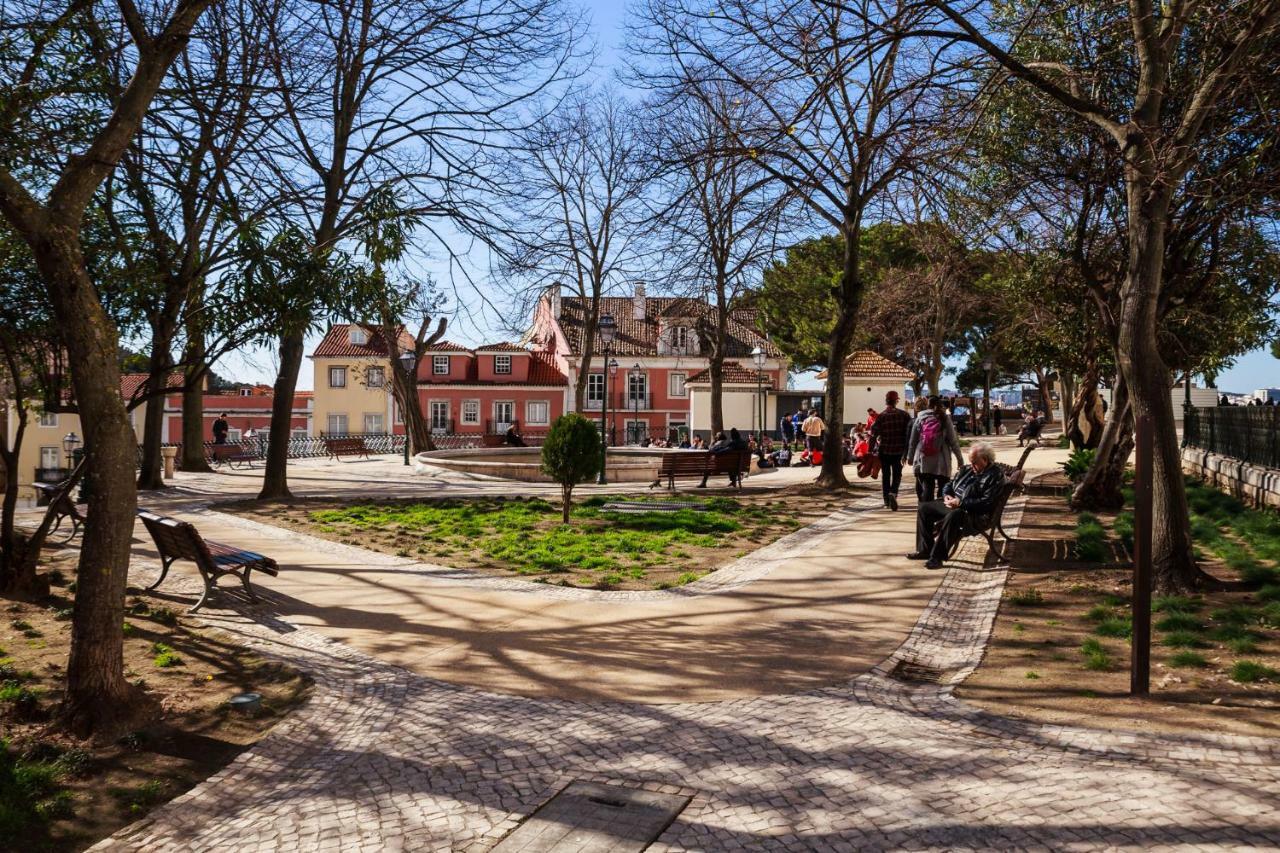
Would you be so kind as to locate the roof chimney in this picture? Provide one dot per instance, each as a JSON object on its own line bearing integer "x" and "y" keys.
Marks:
{"x": 553, "y": 297}
{"x": 638, "y": 302}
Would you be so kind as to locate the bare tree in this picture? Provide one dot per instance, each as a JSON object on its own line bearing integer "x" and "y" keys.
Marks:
{"x": 46, "y": 207}
{"x": 577, "y": 208}
{"x": 838, "y": 115}
{"x": 1188, "y": 68}
{"x": 406, "y": 95}
{"x": 717, "y": 221}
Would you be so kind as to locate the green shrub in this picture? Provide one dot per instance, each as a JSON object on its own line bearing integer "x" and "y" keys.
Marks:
{"x": 1182, "y": 640}
{"x": 1188, "y": 660}
{"x": 1120, "y": 628}
{"x": 1078, "y": 463}
{"x": 1247, "y": 672}
{"x": 571, "y": 455}
{"x": 1176, "y": 604}
{"x": 1091, "y": 539}
{"x": 1032, "y": 676}
{"x": 1123, "y": 528}
{"x": 1096, "y": 656}
{"x": 164, "y": 616}
{"x": 165, "y": 657}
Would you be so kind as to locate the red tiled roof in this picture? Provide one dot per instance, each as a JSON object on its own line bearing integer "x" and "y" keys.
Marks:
{"x": 731, "y": 373}
{"x": 131, "y": 383}
{"x": 337, "y": 343}
{"x": 640, "y": 337}
{"x": 864, "y": 362}
{"x": 502, "y": 346}
{"x": 543, "y": 370}
{"x": 447, "y": 346}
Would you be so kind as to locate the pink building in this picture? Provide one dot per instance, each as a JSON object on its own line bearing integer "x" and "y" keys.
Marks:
{"x": 485, "y": 390}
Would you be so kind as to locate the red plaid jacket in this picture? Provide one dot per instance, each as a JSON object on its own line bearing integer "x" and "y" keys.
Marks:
{"x": 892, "y": 427}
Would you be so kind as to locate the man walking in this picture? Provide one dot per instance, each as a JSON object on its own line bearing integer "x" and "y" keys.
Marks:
{"x": 786, "y": 429}
{"x": 891, "y": 430}
{"x": 813, "y": 428}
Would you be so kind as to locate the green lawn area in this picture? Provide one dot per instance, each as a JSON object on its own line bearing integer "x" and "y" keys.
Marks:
{"x": 598, "y": 548}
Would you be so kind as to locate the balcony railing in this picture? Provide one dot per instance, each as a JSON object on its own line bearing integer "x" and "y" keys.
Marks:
{"x": 621, "y": 402}
{"x": 1247, "y": 433}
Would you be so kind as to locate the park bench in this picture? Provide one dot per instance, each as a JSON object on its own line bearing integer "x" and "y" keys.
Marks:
{"x": 232, "y": 455}
{"x": 687, "y": 464}
{"x": 989, "y": 525}
{"x": 336, "y": 448}
{"x": 66, "y": 511}
{"x": 179, "y": 540}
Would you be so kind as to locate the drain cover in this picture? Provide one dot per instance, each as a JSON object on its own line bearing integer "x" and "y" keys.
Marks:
{"x": 916, "y": 673}
{"x": 656, "y": 506}
{"x": 587, "y": 817}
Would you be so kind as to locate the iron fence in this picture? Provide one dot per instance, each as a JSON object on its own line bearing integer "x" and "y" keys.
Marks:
{"x": 1248, "y": 433}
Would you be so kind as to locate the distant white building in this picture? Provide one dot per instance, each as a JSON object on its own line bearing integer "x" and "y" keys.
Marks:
{"x": 1265, "y": 394}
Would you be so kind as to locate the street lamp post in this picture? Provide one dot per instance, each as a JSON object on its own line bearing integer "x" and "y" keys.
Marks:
{"x": 408, "y": 362}
{"x": 608, "y": 401}
{"x": 757, "y": 356}
{"x": 607, "y": 328}
{"x": 986, "y": 394}
{"x": 69, "y": 444}
{"x": 633, "y": 389}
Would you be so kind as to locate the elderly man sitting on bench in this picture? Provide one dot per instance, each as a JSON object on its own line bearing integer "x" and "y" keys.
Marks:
{"x": 969, "y": 496}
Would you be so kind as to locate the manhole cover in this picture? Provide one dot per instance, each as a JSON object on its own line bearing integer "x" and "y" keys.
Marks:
{"x": 663, "y": 506}
{"x": 911, "y": 672}
{"x": 587, "y": 817}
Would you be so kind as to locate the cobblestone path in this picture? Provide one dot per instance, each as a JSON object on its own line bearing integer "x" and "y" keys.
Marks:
{"x": 382, "y": 759}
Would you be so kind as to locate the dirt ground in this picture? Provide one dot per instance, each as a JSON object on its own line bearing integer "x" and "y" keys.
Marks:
{"x": 1035, "y": 667}
{"x": 196, "y": 735}
{"x": 786, "y": 509}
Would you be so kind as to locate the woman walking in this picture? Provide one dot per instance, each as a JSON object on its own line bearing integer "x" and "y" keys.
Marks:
{"x": 930, "y": 449}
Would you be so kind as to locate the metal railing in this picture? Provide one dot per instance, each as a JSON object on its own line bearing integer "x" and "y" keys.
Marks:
{"x": 1248, "y": 433}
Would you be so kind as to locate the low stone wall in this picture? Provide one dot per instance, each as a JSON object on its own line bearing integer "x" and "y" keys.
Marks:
{"x": 1251, "y": 483}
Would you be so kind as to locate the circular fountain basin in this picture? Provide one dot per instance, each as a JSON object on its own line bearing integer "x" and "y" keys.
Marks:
{"x": 622, "y": 464}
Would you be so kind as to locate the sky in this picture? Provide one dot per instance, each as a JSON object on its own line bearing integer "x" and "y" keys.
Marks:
{"x": 1251, "y": 371}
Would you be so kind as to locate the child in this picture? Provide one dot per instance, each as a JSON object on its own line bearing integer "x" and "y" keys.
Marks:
{"x": 868, "y": 462}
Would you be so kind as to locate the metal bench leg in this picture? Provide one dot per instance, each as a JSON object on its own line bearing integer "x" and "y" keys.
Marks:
{"x": 166, "y": 562}
{"x": 991, "y": 545}
{"x": 210, "y": 589}
{"x": 244, "y": 581}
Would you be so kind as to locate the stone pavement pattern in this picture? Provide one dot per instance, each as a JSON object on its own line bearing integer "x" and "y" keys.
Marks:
{"x": 385, "y": 759}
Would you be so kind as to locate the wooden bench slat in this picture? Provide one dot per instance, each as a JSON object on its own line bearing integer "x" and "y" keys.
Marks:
{"x": 179, "y": 540}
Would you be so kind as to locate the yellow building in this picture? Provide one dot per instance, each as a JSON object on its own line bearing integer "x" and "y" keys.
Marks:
{"x": 353, "y": 383}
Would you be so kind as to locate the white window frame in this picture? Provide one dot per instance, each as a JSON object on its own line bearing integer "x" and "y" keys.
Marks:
{"x": 680, "y": 339}
{"x": 502, "y": 364}
{"x": 233, "y": 435}
{"x": 470, "y": 417}
{"x": 329, "y": 421}
{"x": 340, "y": 372}
{"x": 512, "y": 408}
{"x": 357, "y": 336}
{"x": 55, "y": 453}
{"x": 381, "y": 423}
{"x": 298, "y": 432}
{"x": 372, "y": 371}
{"x": 595, "y": 394}
{"x": 671, "y": 388}
{"x": 434, "y": 406}
{"x": 529, "y": 417}
{"x": 439, "y": 365}
{"x": 49, "y": 419}
{"x": 634, "y": 381}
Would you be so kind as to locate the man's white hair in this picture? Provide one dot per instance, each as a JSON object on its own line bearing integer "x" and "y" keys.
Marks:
{"x": 984, "y": 450}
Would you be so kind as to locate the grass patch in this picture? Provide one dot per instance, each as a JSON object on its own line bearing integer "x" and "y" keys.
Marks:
{"x": 1188, "y": 660}
{"x": 1091, "y": 538}
{"x": 1183, "y": 640}
{"x": 1120, "y": 628}
{"x": 1249, "y": 672}
{"x": 30, "y": 795}
{"x": 1179, "y": 622}
{"x": 1096, "y": 656}
{"x": 1029, "y": 597}
{"x": 165, "y": 656}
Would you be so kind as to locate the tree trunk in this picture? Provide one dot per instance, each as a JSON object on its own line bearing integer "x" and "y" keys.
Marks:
{"x": 1045, "y": 389}
{"x": 193, "y": 438}
{"x": 275, "y": 479}
{"x": 10, "y": 577}
{"x": 1101, "y": 487}
{"x": 851, "y": 288}
{"x": 1084, "y": 424}
{"x": 1174, "y": 565}
{"x": 716, "y": 368}
{"x": 98, "y": 698}
{"x": 566, "y": 500}
{"x": 151, "y": 471}
{"x": 1066, "y": 396}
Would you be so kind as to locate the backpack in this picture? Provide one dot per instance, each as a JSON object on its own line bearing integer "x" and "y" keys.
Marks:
{"x": 931, "y": 436}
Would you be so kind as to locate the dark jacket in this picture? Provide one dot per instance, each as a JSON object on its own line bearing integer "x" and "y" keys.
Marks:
{"x": 977, "y": 492}
{"x": 892, "y": 428}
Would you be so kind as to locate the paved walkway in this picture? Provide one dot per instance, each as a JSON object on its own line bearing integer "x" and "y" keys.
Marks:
{"x": 388, "y": 758}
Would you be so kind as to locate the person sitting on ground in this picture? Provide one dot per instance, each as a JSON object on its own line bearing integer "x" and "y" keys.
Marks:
{"x": 1031, "y": 428}
{"x": 871, "y": 417}
{"x": 930, "y": 448}
{"x": 697, "y": 443}
{"x": 969, "y": 496}
{"x": 782, "y": 456}
{"x": 513, "y": 437}
{"x": 868, "y": 463}
{"x": 686, "y": 444}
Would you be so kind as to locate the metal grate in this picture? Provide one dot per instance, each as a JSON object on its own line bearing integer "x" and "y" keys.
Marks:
{"x": 911, "y": 672}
